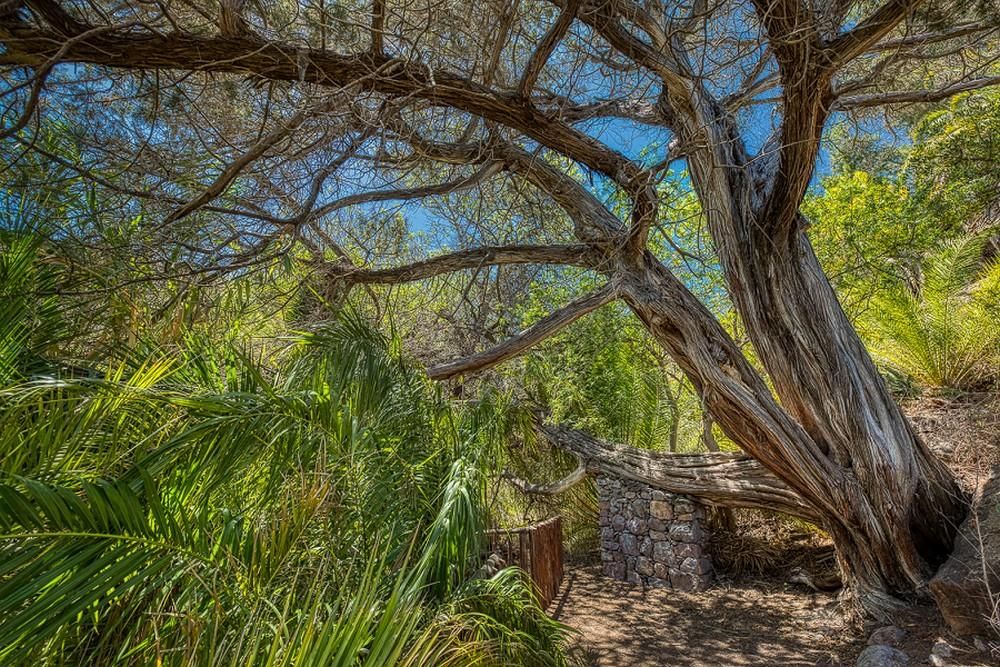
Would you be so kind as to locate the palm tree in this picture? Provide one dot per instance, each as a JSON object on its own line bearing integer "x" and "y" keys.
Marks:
{"x": 310, "y": 502}
{"x": 944, "y": 332}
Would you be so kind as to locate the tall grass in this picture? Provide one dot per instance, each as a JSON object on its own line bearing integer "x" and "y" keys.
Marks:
{"x": 309, "y": 502}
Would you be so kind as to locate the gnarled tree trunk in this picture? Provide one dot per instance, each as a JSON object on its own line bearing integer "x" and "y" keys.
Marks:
{"x": 829, "y": 432}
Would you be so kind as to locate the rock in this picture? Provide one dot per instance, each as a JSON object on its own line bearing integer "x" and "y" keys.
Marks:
{"x": 684, "y": 582}
{"x": 636, "y": 526}
{"x": 663, "y": 552}
{"x": 889, "y": 635}
{"x": 656, "y": 525}
{"x": 646, "y": 547}
{"x": 959, "y": 587}
{"x": 630, "y": 544}
{"x": 880, "y": 655}
{"x": 685, "y": 550}
{"x": 660, "y": 509}
{"x": 644, "y": 566}
{"x": 661, "y": 571}
{"x": 685, "y": 532}
{"x": 683, "y": 506}
{"x": 614, "y": 570}
{"x": 618, "y": 523}
{"x": 941, "y": 654}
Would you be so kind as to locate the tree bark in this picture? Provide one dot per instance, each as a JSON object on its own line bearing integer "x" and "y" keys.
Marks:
{"x": 890, "y": 506}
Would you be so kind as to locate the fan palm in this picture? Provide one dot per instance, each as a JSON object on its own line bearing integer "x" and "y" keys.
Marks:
{"x": 309, "y": 502}
{"x": 946, "y": 332}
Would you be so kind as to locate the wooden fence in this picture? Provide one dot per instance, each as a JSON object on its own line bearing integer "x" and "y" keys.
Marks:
{"x": 538, "y": 550}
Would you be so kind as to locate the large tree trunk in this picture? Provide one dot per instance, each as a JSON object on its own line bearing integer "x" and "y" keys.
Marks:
{"x": 838, "y": 439}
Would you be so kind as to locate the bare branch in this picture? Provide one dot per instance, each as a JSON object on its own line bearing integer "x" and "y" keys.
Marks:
{"x": 402, "y": 194}
{"x": 723, "y": 479}
{"x": 866, "y": 34}
{"x": 924, "y": 38}
{"x": 550, "y": 488}
{"x": 916, "y": 96}
{"x": 365, "y": 71}
{"x": 545, "y": 48}
{"x": 544, "y": 328}
{"x": 575, "y": 255}
{"x": 234, "y": 168}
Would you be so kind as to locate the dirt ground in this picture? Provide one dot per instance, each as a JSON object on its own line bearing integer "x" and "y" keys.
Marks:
{"x": 621, "y": 625}
{"x": 763, "y": 624}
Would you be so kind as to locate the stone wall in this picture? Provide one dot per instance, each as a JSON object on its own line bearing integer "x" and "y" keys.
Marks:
{"x": 651, "y": 537}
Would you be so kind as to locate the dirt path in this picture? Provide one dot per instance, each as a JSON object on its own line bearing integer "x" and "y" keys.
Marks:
{"x": 760, "y": 625}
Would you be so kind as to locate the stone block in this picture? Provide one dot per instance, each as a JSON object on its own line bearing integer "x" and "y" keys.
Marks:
{"x": 685, "y": 532}
{"x": 663, "y": 552}
{"x": 630, "y": 544}
{"x": 695, "y": 566}
{"x": 618, "y": 522}
{"x": 660, "y": 509}
{"x": 636, "y": 526}
{"x": 614, "y": 570}
{"x": 646, "y": 546}
{"x": 684, "y": 582}
{"x": 687, "y": 550}
{"x": 644, "y": 566}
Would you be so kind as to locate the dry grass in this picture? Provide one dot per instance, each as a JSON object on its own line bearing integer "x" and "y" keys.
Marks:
{"x": 767, "y": 545}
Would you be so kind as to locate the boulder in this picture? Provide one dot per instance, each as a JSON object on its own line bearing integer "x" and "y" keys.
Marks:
{"x": 960, "y": 588}
{"x": 881, "y": 655}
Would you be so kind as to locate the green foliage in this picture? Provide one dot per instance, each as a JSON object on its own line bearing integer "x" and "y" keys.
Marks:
{"x": 945, "y": 332}
{"x": 954, "y": 157}
{"x": 309, "y": 502}
{"x": 867, "y": 232}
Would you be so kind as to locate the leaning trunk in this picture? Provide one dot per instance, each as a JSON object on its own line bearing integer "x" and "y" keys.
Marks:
{"x": 837, "y": 438}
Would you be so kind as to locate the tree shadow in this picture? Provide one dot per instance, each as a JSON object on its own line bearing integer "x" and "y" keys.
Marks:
{"x": 731, "y": 624}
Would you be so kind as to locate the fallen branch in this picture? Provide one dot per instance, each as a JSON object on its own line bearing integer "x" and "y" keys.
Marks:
{"x": 722, "y": 479}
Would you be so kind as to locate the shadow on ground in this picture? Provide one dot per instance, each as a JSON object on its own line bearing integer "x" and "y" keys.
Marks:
{"x": 745, "y": 624}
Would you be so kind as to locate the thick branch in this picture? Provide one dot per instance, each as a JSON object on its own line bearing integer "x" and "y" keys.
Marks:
{"x": 544, "y": 328}
{"x": 867, "y": 33}
{"x": 406, "y": 194}
{"x": 576, "y": 255}
{"x": 550, "y": 488}
{"x": 546, "y": 47}
{"x": 915, "y": 96}
{"x": 28, "y": 45}
{"x": 723, "y": 479}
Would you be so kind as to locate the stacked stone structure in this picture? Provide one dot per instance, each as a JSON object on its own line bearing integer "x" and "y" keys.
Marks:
{"x": 651, "y": 537}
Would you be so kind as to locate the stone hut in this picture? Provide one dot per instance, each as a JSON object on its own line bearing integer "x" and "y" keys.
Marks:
{"x": 651, "y": 537}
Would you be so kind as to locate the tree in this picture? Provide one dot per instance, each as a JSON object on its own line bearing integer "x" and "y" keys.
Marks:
{"x": 313, "y": 107}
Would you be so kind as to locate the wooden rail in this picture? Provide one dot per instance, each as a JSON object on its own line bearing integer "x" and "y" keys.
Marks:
{"x": 536, "y": 549}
